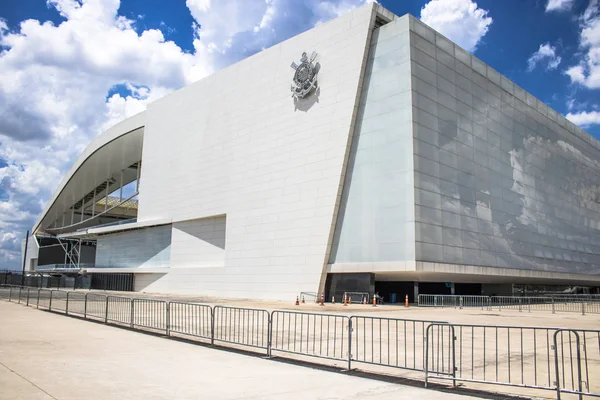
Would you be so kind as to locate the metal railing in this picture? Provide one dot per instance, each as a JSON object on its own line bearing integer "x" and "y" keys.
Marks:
{"x": 150, "y": 314}
{"x": 389, "y": 342}
{"x": 119, "y": 310}
{"x": 241, "y": 326}
{"x": 566, "y": 361}
{"x": 76, "y": 302}
{"x": 309, "y": 334}
{"x": 190, "y": 319}
{"x": 96, "y": 306}
{"x": 578, "y": 304}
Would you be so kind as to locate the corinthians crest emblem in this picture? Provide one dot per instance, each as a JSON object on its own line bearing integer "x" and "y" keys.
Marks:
{"x": 305, "y": 77}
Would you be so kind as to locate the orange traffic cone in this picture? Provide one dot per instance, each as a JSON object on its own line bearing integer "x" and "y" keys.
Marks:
{"x": 297, "y": 302}
{"x": 364, "y": 300}
{"x": 332, "y": 299}
{"x": 374, "y": 301}
{"x": 406, "y": 301}
{"x": 322, "y": 300}
{"x": 345, "y": 300}
{"x": 303, "y": 299}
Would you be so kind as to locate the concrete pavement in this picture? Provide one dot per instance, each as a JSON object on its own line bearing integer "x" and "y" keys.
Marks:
{"x": 47, "y": 356}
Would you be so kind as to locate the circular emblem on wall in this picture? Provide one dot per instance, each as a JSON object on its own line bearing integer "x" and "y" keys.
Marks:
{"x": 305, "y": 77}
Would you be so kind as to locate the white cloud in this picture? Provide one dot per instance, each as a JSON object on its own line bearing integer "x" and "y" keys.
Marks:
{"x": 587, "y": 72}
{"x": 545, "y": 54}
{"x": 462, "y": 21}
{"x": 585, "y": 118}
{"x": 56, "y": 80}
{"x": 559, "y": 5}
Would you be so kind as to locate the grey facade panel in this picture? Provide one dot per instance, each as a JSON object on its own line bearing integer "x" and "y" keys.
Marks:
{"x": 148, "y": 247}
{"x": 501, "y": 180}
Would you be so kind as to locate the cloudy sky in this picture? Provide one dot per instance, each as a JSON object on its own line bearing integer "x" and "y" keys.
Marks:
{"x": 72, "y": 68}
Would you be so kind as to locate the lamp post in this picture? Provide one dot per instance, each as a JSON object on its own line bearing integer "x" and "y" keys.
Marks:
{"x": 24, "y": 259}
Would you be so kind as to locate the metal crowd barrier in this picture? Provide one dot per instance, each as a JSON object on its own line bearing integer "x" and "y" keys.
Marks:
{"x": 119, "y": 310}
{"x": 310, "y": 334}
{"x": 389, "y": 342}
{"x": 76, "y": 303}
{"x": 59, "y": 301}
{"x": 241, "y": 326}
{"x": 4, "y": 292}
{"x": 44, "y": 299}
{"x": 189, "y": 319}
{"x": 566, "y": 361}
{"x": 96, "y": 306}
{"x": 150, "y": 314}
{"x": 542, "y": 303}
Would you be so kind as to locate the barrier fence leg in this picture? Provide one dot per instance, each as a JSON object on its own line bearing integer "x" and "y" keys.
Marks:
{"x": 50, "y": 303}
{"x": 349, "y": 344}
{"x": 85, "y": 306}
{"x": 212, "y": 327}
{"x": 426, "y": 361}
{"x": 67, "y": 306}
{"x": 168, "y": 318}
{"x": 10, "y": 294}
{"x": 269, "y": 334}
{"x": 553, "y": 310}
{"x": 453, "y": 356}
{"x": 27, "y": 297}
{"x": 106, "y": 311}
{"x": 38, "y": 300}
{"x": 19, "y": 298}
{"x": 131, "y": 322}
{"x": 582, "y": 308}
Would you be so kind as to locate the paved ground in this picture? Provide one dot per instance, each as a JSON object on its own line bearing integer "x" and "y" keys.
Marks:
{"x": 49, "y": 356}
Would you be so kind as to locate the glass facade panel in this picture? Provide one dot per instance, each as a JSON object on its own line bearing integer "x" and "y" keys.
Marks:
{"x": 376, "y": 217}
{"x": 514, "y": 184}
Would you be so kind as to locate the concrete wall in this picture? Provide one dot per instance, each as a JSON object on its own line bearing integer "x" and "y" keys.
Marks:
{"x": 501, "y": 180}
{"x": 198, "y": 242}
{"x": 376, "y": 223}
{"x": 32, "y": 255}
{"x": 149, "y": 247}
{"x": 237, "y": 144}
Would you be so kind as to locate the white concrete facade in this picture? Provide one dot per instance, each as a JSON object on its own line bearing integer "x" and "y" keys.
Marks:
{"x": 273, "y": 168}
{"x": 246, "y": 192}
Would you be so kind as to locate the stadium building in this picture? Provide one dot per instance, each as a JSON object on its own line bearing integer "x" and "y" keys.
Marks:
{"x": 368, "y": 154}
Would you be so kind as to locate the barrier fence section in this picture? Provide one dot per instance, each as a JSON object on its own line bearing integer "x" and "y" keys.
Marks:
{"x": 119, "y": 310}
{"x": 189, "y": 319}
{"x": 440, "y": 352}
{"x": 76, "y": 303}
{"x": 96, "y": 306}
{"x": 59, "y": 301}
{"x": 241, "y": 326}
{"x": 389, "y": 342}
{"x": 150, "y": 314}
{"x": 577, "y": 355}
{"x": 44, "y": 298}
{"x": 4, "y": 292}
{"x": 566, "y": 361}
{"x": 581, "y": 304}
{"x": 310, "y": 334}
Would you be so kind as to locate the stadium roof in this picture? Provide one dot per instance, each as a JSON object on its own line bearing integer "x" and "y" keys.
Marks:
{"x": 97, "y": 170}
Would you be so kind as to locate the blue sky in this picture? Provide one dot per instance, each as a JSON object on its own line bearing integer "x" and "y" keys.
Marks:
{"x": 72, "y": 68}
